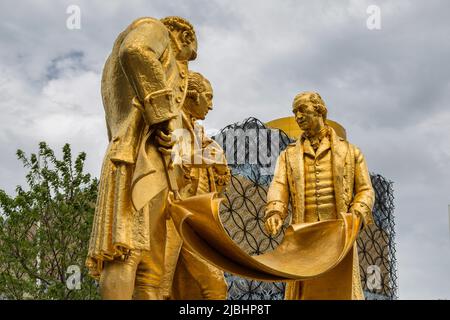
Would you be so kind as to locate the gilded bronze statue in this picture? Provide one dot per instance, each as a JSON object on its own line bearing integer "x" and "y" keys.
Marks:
{"x": 188, "y": 276}
{"x": 157, "y": 232}
{"x": 144, "y": 85}
{"x": 320, "y": 175}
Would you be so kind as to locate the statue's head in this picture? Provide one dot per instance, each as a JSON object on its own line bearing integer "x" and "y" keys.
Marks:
{"x": 199, "y": 96}
{"x": 309, "y": 110}
{"x": 183, "y": 35}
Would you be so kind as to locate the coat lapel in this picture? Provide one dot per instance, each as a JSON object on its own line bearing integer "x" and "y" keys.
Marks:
{"x": 339, "y": 149}
{"x": 323, "y": 147}
{"x": 297, "y": 181}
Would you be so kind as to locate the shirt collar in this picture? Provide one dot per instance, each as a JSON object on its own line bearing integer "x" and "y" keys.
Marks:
{"x": 324, "y": 143}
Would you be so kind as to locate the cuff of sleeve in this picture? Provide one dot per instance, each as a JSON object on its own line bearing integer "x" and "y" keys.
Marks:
{"x": 274, "y": 207}
{"x": 222, "y": 179}
{"x": 157, "y": 107}
{"x": 365, "y": 212}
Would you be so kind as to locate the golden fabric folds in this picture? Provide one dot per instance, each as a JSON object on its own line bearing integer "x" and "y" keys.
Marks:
{"x": 307, "y": 251}
{"x": 117, "y": 227}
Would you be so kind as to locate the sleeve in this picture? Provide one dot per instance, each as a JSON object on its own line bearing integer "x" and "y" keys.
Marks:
{"x": 364, "y": 197}
{"x": 213, "y": 155}
{"x": 278, "y": 193}
{"x": 140, "y": 57}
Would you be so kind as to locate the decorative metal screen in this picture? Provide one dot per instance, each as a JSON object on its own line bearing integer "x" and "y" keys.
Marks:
{"x": 247, "y": 145}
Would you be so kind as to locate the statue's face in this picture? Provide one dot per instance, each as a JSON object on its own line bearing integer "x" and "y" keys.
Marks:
{"x": 306, "y": 116}
{"x": 201, "y": 109}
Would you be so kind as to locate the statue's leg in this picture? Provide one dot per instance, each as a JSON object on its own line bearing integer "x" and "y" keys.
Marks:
{"x": 118, "y": 277}
{"x": 293, "y": 290}
{"x": 150, "y": 270}
{"x": 210, "y": 279}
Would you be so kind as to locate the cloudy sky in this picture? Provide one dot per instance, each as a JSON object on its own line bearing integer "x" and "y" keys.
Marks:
{"x": 390, "y": 88}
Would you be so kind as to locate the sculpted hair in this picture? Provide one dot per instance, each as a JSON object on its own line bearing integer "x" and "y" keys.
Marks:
{"x": 315, "y": 99}
{"x": 196, "y": 85}
{"x": 174, "y": 23}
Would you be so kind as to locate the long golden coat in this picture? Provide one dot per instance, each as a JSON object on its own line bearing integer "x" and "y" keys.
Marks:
{"x": 142, "y": 62}
{"x": 353, "y": 190}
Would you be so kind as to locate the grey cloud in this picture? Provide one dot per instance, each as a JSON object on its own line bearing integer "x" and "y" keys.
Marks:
{"x": 70, "y": 62}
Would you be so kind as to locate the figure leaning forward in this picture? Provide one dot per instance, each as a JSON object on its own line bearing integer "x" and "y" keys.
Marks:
{"x": 144, "y": 85}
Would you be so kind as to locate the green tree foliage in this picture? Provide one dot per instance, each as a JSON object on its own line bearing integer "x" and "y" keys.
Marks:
{"x": 45, "y": 229}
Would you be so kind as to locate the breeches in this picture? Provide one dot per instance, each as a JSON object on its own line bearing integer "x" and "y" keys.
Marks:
{"x": 139, "y": 275}
{"x": 209, "y": 280}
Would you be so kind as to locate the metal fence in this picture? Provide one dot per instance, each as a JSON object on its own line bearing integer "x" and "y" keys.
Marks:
{"x": 243, "y": 215}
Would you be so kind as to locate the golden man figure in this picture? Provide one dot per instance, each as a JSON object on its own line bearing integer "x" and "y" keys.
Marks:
{"x": 320, "y": 176}
{"x": 144, "y": 86}
{"x": 205, "y": 170}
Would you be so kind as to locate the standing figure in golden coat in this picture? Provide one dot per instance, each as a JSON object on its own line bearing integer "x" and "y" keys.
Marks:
{"x": 320, "y": 175}
{"x": 188, "y": 276}
{"x": 144, "y": 85}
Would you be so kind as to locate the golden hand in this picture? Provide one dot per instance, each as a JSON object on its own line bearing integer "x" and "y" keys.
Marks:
{"x": 273, "y": 224}
{"x": 164, "y": 139}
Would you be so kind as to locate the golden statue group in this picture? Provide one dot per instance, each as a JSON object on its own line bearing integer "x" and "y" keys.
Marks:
{"x": 156, "y": 231}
